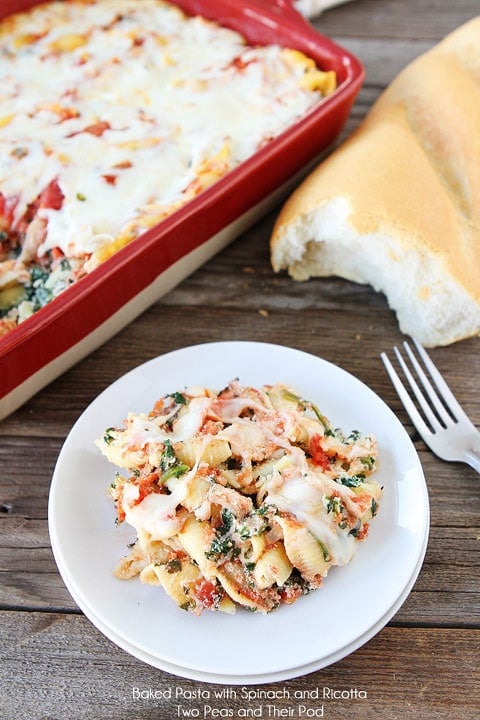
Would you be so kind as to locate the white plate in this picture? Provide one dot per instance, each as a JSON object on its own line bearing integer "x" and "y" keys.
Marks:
{"x": 251, "y": 679}
{"x": 355, "y": 601}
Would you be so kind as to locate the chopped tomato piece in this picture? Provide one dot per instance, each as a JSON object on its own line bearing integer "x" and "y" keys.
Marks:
{"x": 362, "y": 534}
{"x": 110, "y": 179}
{"x": 158, "y": 408}
{"x": 207, "y": 593}
{"x": 147, "y": 485}
{"x": 319, "y": 456}
{"x": 240, "y": 64}
{"x": 290, "y": 594}
{"x": 57, "y": 253}
{"x": 363, "y": 501}
{"x": 51, "y": 197}
{"x": 97, "y": 128}
{"x": 67, "y": 113}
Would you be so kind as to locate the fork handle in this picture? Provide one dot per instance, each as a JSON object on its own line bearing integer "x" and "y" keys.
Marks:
{"x": 472, "y": 458}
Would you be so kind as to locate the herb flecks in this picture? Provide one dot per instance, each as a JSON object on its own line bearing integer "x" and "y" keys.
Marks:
{"x": 308, "y": 405}
{"x": 368, "y": 462}
{"x": 223, "y": 545}
{"x": 173, "y": 566}
{"x": 108, "y": 436}
{"x": 178, "y": 397}
{"x": 326, "y": 555}
{"x": 170, "y": 465}
{"x": 353, "y": 480}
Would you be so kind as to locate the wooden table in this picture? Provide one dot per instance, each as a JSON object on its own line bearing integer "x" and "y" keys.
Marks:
{"x": 425, "y": 663}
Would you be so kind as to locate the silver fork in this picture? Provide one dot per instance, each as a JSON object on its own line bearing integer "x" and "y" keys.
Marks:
{"x": 439, "y": 418}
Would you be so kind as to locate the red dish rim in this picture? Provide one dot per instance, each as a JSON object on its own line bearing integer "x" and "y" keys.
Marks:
{"x": 62, "y": 323}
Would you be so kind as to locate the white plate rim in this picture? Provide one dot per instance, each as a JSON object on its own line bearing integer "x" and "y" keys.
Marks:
{"x": 280, "y": 666}
{"x": 226, "y": 679}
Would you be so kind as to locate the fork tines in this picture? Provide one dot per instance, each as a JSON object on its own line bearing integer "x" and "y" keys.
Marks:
{"x": 439, "y": 407}
{"x": 432, "y": 407}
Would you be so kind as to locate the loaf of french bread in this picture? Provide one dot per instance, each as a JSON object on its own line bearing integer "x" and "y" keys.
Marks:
{"x": 397, "y": 205}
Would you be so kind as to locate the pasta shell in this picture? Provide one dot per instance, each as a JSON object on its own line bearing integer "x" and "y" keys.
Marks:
{"x": 233, "y": 581}
{"x": 273, "y": 566}
{"x": 226, "y": 605}
{"x": 197, "y": 493}
{"x": 214, "y": 452}
{"x": 195, "y": 538}
{"x": 303, "y": 550}
{"x": 258, "y": 547}
{"x": 149, "y": 576}
{"x": 175, "y": 583}
{"x": 131, "y": 565}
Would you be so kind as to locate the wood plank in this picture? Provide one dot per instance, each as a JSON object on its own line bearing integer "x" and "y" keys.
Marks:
{"x": 38, "y": 649}
{"x": 424, "y": 664}
{"x": 382, "y": 59}
{"x": 25, "y": 542}
{"x": 448, "y": 584}
{"x": 438, "y": 606}
{"x": 366, "y": 330}
{"x": 396, "y": 19}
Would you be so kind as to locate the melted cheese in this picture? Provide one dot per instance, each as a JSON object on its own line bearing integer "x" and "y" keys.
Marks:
{"x": 262, "y": 504}
{"x": 156, "y": 513}
{"x": 304, "y": 498}
{"x": 176, "y": 106}
{"x": 142, "y": 430}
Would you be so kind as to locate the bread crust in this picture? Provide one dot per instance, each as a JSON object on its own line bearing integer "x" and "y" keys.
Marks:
{"x": 409, "y": 173}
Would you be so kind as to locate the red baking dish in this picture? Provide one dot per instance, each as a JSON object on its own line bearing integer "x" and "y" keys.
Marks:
{"x": 104, "y": 301}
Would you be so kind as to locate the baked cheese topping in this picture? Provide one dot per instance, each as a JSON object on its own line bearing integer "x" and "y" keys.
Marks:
{"x": 115, "y": 113}
{"x": 245, "y": 496}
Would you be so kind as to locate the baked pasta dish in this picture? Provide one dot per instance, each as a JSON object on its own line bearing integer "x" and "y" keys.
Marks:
{"x": 114, "y": 114}
{"x": 240, "y": 497}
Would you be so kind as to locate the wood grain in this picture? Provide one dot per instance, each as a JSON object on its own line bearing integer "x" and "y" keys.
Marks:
{"x": 57, "y": 666}
{"x": 415, "y": 678}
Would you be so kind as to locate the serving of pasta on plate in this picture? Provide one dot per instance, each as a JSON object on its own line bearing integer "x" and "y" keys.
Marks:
{"x": 240, "y": 497}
